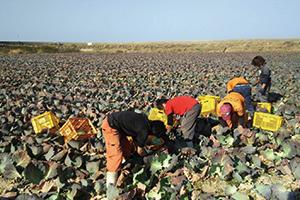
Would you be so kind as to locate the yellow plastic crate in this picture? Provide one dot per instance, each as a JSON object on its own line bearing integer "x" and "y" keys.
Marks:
{"x": 208, "y": 104}
{"x": 156, "y": 114}
{"x": 77, "y": 128}
{"x": 47, "y": 120}
{"x": 267, "y": 121}
{"x": 263, "y": 106}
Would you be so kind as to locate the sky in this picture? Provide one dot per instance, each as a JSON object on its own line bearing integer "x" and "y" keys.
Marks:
{"x": 147, "y": 20}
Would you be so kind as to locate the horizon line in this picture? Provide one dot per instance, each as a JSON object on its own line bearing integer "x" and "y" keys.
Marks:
{"x": 149, "y": 42}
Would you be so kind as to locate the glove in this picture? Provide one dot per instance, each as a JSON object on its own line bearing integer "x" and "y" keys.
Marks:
{"x": 112, "y": 191}
{"x": 111, "y": 178}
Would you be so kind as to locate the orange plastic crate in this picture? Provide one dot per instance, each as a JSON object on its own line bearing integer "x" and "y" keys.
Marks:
{"x": 47, "y": 120}
{"x": 77, "y": 129}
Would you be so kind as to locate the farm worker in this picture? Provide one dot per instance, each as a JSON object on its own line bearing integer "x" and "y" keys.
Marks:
{"x": 116, "y": 127}
{"x": 242, "y": 86}
{"x": 188, "y": 109}
{"x": 264, "y": 80}
{"x": 231, "y": 110}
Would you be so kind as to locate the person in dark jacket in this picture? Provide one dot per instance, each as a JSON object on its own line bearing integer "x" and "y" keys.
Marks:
{"x": 116, "y": 129}
{"x": 264, "y": 80}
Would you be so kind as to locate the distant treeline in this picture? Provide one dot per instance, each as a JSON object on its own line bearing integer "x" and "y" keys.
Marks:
{"x": 34, "y": 47}
{"x": 20, "y": 43}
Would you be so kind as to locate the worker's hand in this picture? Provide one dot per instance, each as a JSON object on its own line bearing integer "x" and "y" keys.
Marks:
{"x": 249, "y": 118}
{"x": 216, "y": 128}
{"x": 219, "y": 129}
{"x": 169, "y": 128}
{"x": 141, "y": 151}
{"x": 240, "y": 128}
{"x": 216, "y": 143}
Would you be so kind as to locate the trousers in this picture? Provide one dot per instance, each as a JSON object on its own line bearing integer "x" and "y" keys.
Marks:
{"x": 245, "y": 91}
{"x": 117, "y": 146}
{"x": 188, "y": 122}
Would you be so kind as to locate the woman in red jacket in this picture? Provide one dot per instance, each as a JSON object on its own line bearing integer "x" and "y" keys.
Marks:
{"x": 188, "y": 108}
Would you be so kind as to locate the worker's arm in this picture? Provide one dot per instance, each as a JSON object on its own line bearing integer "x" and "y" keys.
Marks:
{"x": 264, "y": 78}
{"x": 170, "y": 119}
{"x": 229, "y": 123}
{"x": 252, "y": 75}
{"x": 151, "y": 141}
{"x": 241, "y": 114}
{"x": 224, "y": 123}
{"x": 256, "y": 82}
{"x": 241, "y": 121}
{"x": 228, "y": 87}
{"x": 169, "y": 122}
{"x": 240, "y": 108}
{"x": 141, "y": 148}
{"x": 255, "y": 72}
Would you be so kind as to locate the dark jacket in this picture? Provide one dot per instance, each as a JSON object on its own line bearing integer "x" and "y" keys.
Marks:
{"x": 132, "y": 124}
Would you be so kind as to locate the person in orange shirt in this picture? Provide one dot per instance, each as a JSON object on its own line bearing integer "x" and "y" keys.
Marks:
{"x": 231, "y": 110}
{"x": 242, "y": 86}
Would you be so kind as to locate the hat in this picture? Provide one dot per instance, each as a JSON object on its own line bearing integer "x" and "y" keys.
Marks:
{"x": 225, "y": 111}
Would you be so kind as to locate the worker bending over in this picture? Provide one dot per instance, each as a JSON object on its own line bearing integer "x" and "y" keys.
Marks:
{"x": 188, "y": 109}
{"x": 116, "y": 127}
{"x": 231, "y": 110}
{"x": 242, "y": 86}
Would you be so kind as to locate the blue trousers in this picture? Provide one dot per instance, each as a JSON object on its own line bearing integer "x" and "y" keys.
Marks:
{"x": 245, "y": 91}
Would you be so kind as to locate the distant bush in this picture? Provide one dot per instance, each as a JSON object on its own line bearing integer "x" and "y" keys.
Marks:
{"x": 15, "y": 51}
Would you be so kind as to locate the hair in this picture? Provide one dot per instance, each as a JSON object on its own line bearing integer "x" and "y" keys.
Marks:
{"x": 158, "y": 128}
{"x": 159, "y": 103}
{"x": 258, "y": 61}
{"x": 226, "y": 103}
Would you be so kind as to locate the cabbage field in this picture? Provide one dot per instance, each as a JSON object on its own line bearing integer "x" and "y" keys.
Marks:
{"x": 248, "y": 164}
